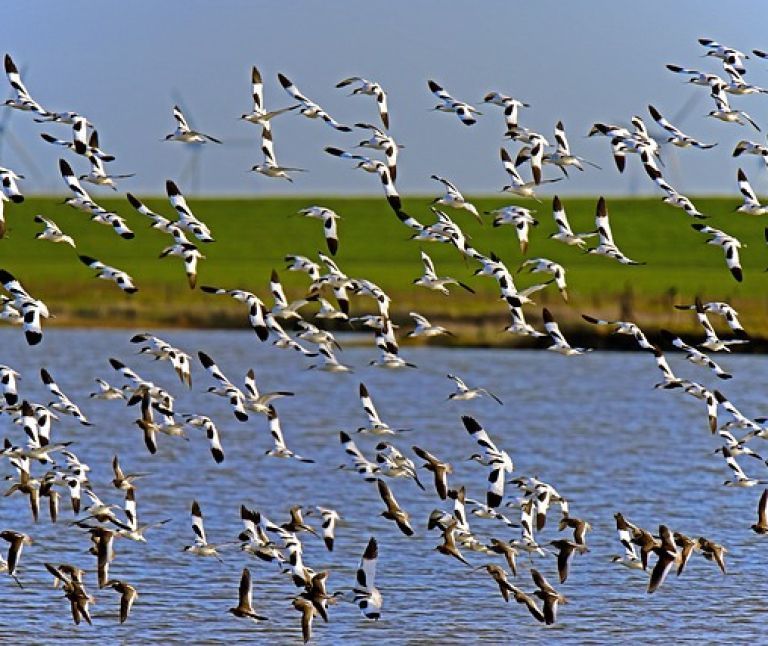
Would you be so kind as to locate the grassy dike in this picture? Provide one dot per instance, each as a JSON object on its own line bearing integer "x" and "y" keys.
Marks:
{"x": 254, "y": 235}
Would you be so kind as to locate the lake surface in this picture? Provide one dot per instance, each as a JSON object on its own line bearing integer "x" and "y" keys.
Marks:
{"x": 592, "y": 426}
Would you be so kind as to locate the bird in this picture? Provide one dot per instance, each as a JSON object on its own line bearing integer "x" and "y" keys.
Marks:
{"x": 623, "y": 327}
{"x": 259, "y": 115}
{"x": 448, "y": 546}
{"x": 280, "y": 450}
{"x": 211, "y": 432}
{"x": 270, "y": 167}
{"x": 431, "y": 280}
{"x": 511, "y": 107}
{"x": 52, "y": 232}
{"x": 162, "y": 350}
{"x": 752, "y": 148}
{"x": 227, "y": 389}
{"x": 761, "y": 526}
{"x": 328, "y": 217}
{"x": 244, "y": 608}
{"x": 380, "y": 140}
{"x": 729, "y": 244}
{"x": 98, "y": 174}
{"x": 308, "y": 612}
{"x": 122, "y": 480}
{"x": 549, "y": 596}
{"x": 544, "y": 265}
{"x": 751, "y": 205}
{"x": 330, "y": 517}
{"x": 376, "y": 426}
{"x": 559, "y": 343}
{"x": 379, "y": 168}
{"x": 185, "y": 134}
{"x": 17, "y": 541}
{"x": 439, "y": 469}
{"x": 23, "y": 99}
{"x": 607, "y": 246}
{"x": 678, "y": 137}
{"x": 187, "y": 220}
{"x": 521, "y": 218}
{"x": 393, "y": 512}
{"x": 695, "y": 356}
{"x": 308, "y": 108}
{"x": 366, "y": 594}
{"x": 498, "y": 460}
{"x": 464, "y": 111}
{"x": 465, "y": 393}
{"x": 564, "y": 232}
{"x": 201, "y": 546}
{"x": 369, "y": 88}
{"x": 710, "y": 550}
{"x": 128, "y": 596}
{"x": 454, "y": 198}
{"x": 566, "y": 550}
{"x": 63, "y": 404}
{"x": 424, "y": 328}
{"x": 667, "y": 554}
{"x": 518, "y": 186}
{"x": 105, "y": 272}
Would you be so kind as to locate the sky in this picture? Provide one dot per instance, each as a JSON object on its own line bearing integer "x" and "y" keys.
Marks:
{"x": 125, "y": 64}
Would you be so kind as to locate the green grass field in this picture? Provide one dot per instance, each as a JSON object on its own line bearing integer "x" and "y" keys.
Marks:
{"x": 254, "y": 235}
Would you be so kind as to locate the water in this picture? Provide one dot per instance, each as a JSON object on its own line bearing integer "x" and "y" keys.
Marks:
{"x": 592, "y": 426}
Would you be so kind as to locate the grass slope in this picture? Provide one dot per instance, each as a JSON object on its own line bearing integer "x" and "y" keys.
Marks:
{"x": 254, "y": 235}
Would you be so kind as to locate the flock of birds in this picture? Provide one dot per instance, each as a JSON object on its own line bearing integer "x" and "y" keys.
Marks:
{"x": 50, "y": 469}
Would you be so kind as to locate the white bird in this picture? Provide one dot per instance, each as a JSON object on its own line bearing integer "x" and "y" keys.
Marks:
{"x": 424, "y": 328}
{"x": 380, "y": 140}
{"x": 607, "y": 246}
{"x": 465, "y": 393}
{"x": 185, "y": 134}
{"x": 454, "y": 198}
{"x": 162, "y": 350}
{"x": 563, "y": 157}
{"x": 740, "y": 479}
{"x": 270, "y": 167}
{"x": 98, "y": 174}
{"x": 259, "y": 115}
{"x": 373, "y": 166}
{"x": 329, "y": 361}
{"x": 360, "y": 463}
{"x": 560, "y": 344}
{"x": 226, "y": 388}
{"x": 211, "y": 432}
{"x": 751, "y": 205}
{"x": 518, "y": 186}
{"x": 678, "y": 137}
{"x": 376, "y": 426}
{"x": 712, "y": 341}
{"x": 729, "y": 244}
{"x": 190, "y": 254}
{"x": 519, "y": 325}
{"x": 544, "y": 265}
{"x": 726, "y": 54}
{"x": 465, "y": 112}
{"x": 201, "y": 546}
{"x": 52, "y": 232}
{"x": 280, "y": 450}
{"x": 369, "y": 88}
{"x": 255, "y": 305}
{"x": 31, "y": 309}
{"x": 751, "y": 148}
{"x": 308, "y": 108}
{"x": 63, "y": 404}
{"x": 725, "y": 310}
{"x": 431, "y": 280}
{"x": 623, "y": 327}
{"x": 521, "y": 218}
{"x": 187, "y": 219}
{"x": 105, "y": 272}
{"x": 695, "y": 356}
{"x": 23, "y": 100}
{"x": 328, "y": 217}
{"x": 511, "y": 107}
{"x": 564, "y": 232}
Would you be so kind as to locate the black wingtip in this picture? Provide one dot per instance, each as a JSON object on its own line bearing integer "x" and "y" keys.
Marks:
{"x": 204, "y": 359}
{"x": 547, "y": 316}
{"x": 471, "y": 424}
{"x": 171, "y": 188}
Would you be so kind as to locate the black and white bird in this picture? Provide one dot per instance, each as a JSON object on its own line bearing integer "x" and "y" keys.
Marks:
{"x": 519, "y": 217}
{"x": 226, "y": 388}
{"x": 280, "y": 450}
{"x": 23, "y": 99}
{"x": 560, "y": 344}
{"x": 564, "y": 232}
{"x": 330, "y": 230}
{"x": 190, "y": 254}
{"x": 607, "y": 246}
{"x": 376, "y": 426}
{"x": 31, "y": 309}
{"x": 187, "y": 220}
{"x": 454, "y": 198}
{"x": 498, "y": 460}
{"x": 720, "y": 308}
{"x": 695, "y": 356}
{"x": 259, "y": 115}
{"x": 465, "y": 393}
{"x": 270, "y": 167}
{"x": 105, "y": 272}
{"x": 63, "y": 404}
{"x": 424, "y": 328}
{"x": 751, "y": 205}
{"x": 464, "y": 111}
{"x": 431, "y": 280}
{"x": 623, "y": 327}
{"x": 380, "y": 140}
{"x": 728, "y": 243}
{"x": 256, "y": 308}
{"x": 518, "y": 186}
{"x": 360, "y": 463}
{"x": 366, "y": 594}
{"x": 185, "y": 134}
{"x": 511, "y": 107}
{"x": 751, "y": 148}
{"x": 678, "y": 137}
{"x": 52, "y": 232}
{"x": 308, "y": 108}
{"x": 544, "y": 265}
{"x": 369, "y": 88}
{"x": 373, "y": 166}
{"x": 201, "y": 546}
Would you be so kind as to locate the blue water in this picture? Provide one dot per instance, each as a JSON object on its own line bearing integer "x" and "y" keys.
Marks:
{"x": 592, "y": 426}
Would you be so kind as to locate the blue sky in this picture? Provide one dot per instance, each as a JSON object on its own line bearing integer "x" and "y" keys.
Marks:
{"x": 124, "y": 65}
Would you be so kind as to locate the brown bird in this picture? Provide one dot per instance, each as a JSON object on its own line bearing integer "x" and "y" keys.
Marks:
{"x": 530, "y": 603}
{"x": 71, "y": 580}
{"x": 448, "y": 546}
{"x": 508, "y": 551}
{"x": 244, "y": 608}
{"x": 666, "y": 551}
{"x": 297, "y": 524}
{"x": 500, "y": 576}
{"x": 566, "y": 550}
{"x": 307, "y": 610}
{"x": 394, "y": 511}
{"x": 686, "y": 545}
{"x": 17, "y": 541}
{"x": 709, "y": 550}
{"x": 761, "y": 526}
{"x": 438, "y": 468}
{"x": 579, "y": 527}
{"x": 128, "y": 595}
{"x": 29, "y": 487}
{"x": 549, "y": 596}
{"x": 121, "y": 480}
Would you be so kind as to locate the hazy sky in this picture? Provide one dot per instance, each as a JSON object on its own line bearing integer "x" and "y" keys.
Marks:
{"x": 124, "y": 64}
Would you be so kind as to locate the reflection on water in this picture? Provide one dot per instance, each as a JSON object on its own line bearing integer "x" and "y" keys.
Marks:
{"x": 593, "y": 426}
